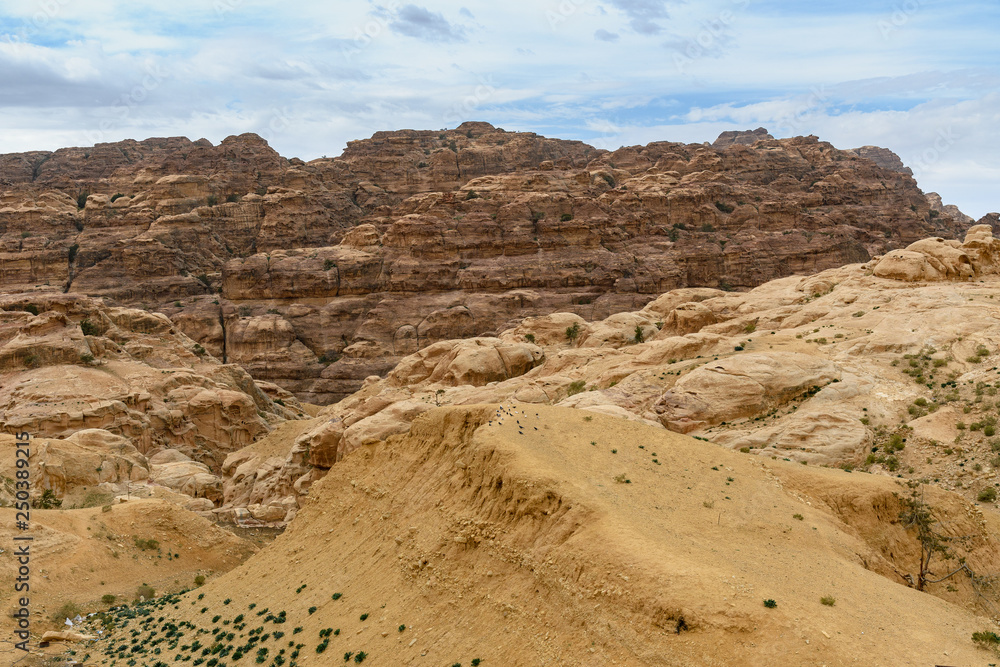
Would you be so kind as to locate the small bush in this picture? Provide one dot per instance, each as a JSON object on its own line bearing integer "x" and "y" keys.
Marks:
{"x": 73, "y": 249}
{"x": 529, "y": 337}
{"x": 68, "y": 610}
{"x": 46, "y": 501}
{"x": 329, "y": 264}
{"x": 108, "y": 598}
{"x": 724, "y": 207}
{"x": 828, "y": 600}
{"x": 770, "y": 604}
{"x": 81, "y": 199}
{"x": 212, "y": 200}
{"x": 233, "y": 198}
{"x": 199, "y": 580}
{"x": 986, "y": 639}
{"x": 987, "y": 495}
{"x": 472, "y": 194}
{"x": 566, "y": 217}
{"x": 573, "y": 332}
{"x": 145, "y": 591}
{"x": 146, "y": 544}
{"x": 639, "y": 337}
{"x": 116, "y": 196}
{"x": 576, "y": 387}
{"x": 707, "y": 228}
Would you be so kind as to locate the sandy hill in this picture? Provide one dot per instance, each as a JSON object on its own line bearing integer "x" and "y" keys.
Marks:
{"x": 565, "y": 538}
{"x": 79, "y": 556}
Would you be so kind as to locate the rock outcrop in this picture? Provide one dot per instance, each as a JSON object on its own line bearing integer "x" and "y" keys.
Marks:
{"x": 743, "y": 137}
{"x": 316, "y": 275}
{"x": 833, "y": 369}
{"x": 114, "y": 396}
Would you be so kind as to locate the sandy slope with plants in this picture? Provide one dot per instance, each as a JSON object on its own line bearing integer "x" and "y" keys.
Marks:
{"x": 79, "y": 556}
{"x": 570, "y": 538}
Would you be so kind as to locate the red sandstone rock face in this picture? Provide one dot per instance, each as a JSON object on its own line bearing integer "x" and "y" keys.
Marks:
{"x": 315, "y": 276}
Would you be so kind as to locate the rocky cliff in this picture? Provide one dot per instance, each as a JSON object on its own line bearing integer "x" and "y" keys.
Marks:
{"x": 316, "y": 275}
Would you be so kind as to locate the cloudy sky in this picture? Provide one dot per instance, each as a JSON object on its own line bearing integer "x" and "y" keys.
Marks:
{"x": 921, "y": 77}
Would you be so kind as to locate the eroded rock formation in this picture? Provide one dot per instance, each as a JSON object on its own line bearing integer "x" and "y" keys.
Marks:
{"x": 316, "y": 275}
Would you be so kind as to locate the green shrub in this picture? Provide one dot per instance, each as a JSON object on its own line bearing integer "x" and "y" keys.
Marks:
{"x": 987, "y": 495}
{"x": 73, "y": 249}
{"x": 146, "y": 544}
{"x": 770, "y": 604}
{"x": 81, "y": 199}
{"x": 529, "y": 337}
{"x": 145, "y": 591}
{"x": 472, "y": 194}
{"x": 108, "y": 599}
{"x": 707, "y": 228}
{"x": 199, "y": 580}
{"x": 573, "y": 332}
{"x": 212, "y": 200}
{"x": 566, "y": 217}
{"x": 46, "y": 501}
{"x": 639, "y": 336}
{"x": 233, "y": 198}
{"x": 329, "y": 264}
{"x": 68, "y": 610}
{"x": 725, "y": 208}
{"x": 986, "y": 639}
{"x": 828, "y": 600}
{"x": 576, "y": 387}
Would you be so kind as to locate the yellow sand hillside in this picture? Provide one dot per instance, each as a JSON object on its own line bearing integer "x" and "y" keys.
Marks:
{"x": 574, "y": 539}
{"x": 78, "y": 556}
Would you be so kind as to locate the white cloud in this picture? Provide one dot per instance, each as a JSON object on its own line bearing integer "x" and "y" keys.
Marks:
{"x": 607, "y": 71}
